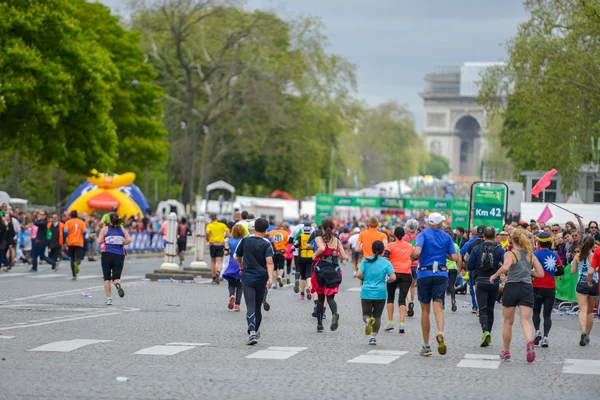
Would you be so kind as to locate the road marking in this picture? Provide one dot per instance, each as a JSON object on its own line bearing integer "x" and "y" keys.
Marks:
{"x": 164, "y": 350}
{"x": 378, "y": 357}
{"x": 129, "y": 278}
{"x": 276, "y": 353}
{"x": 187, "y": 344}
{"x": 485, "y": 361}
{"x": 47, "y": 276}
{"x": 585, "y": 367}
{"x": 65, "y": 293}
{"x": 354, "y": 289}
{"x": 9, "y": 274}
{"x": 66, "y": 346}
{"x": 56, "y": 321}
{"x": 6, "y": 337}
{"x": 79, "y": 277}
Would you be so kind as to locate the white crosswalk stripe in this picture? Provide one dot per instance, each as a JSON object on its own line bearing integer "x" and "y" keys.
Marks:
{"x": 47, "y": 276}
{"x": 12, "y": 274}
{"x": 585, "y": 367}
{"x": 485, "y": 361}
{"x": 65, "y": 346}
{"x": 276, "y": 353}
{"x": 6, "y": 337}
{"x": 163, "y": 350}
{"x": 79, "y": 277}
{"x": 378, "y": 357}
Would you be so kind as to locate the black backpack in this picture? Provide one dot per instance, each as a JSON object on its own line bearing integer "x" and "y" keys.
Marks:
{"x": 328, "y": 274}
{"x": 486, "y": 259}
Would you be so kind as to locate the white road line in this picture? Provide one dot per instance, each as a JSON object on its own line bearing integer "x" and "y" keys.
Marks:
{"x": 130, "y": 278}
{"x": 57, "y": 321}
{"x": 187, "y": 344}
{"x": 6, "y": 337}
{"x": 66, "y": 346}
{"x": 585, "y": 367}
{"x": 484, "y": 361}
{"x": 378, "y": 357}
{"x": 48, "y": 276}
{"x": 276, "y": 353}
{"x": 354, "y": 289}
{"x": 64, "y": 293}
{"x": 164, "y": 350}
{"x": 79, "y": 277}
{"x": 9, "y": 274}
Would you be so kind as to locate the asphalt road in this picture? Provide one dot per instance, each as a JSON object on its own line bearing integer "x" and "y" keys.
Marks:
{"x": 179, "y": 341}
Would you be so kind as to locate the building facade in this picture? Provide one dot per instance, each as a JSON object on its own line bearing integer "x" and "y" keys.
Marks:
{"x": 455, "y": 124}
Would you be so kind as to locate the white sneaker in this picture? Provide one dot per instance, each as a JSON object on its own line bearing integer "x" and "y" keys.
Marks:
{"x": 109, "y": 302}
{"x": 354, "y": 274}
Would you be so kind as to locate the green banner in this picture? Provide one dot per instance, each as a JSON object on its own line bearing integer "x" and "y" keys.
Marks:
{"x": 392, "y": 202}
{"x": 324, "y": 206}
{"x": 488, "y": 206}
{"x": 427, "y": 204}
{"x": 460, "y": 213}
{"x": 351, "y": 201}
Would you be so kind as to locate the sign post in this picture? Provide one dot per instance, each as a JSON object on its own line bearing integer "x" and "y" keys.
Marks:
{"x": 489, "y": 205}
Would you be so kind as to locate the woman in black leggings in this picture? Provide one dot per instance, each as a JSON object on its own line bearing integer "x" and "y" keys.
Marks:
{"x": 398, "y": 252}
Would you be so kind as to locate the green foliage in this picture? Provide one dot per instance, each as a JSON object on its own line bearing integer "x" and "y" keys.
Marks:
{"x": 551, "y": 83}
{"x": 434, "y": 165}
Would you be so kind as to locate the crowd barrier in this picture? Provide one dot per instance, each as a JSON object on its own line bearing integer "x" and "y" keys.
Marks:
{"x": 144, "y": 242}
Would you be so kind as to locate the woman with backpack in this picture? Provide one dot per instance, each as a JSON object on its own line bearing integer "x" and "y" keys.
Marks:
{"x": 520, "y": 264}
{"x": 375, "y": 272}
{"x": 587, "y": 287}
{"x": 327, "y": 275}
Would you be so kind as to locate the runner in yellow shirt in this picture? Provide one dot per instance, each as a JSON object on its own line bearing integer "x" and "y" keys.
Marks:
{"x": 215, "y": 236}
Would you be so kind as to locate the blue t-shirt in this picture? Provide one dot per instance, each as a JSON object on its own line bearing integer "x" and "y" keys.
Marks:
{"x": 435, "y": 244}
{"x": 465, "y": 247}
{"x": 548, "y": 259}
{"x": 254, "y": 251}
{"x": 374, "y": 278}
{"x": 233, "y": 244}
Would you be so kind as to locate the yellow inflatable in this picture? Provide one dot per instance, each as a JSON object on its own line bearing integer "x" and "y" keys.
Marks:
{"x": 106, "y": 196}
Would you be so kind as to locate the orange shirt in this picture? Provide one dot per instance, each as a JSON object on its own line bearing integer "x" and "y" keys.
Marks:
{"x": 367, "y": 237}
{"x": 280, "y": 239}
{"x": 400, "y": 252}
{"x": 75, "y": 228}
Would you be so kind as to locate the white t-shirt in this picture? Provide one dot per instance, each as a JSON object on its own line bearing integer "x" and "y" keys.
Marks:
{"x": 352, "y": 241}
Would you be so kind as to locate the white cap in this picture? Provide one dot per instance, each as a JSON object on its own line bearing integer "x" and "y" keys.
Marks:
{"x": 356, "y": 230}
{"x": 435, "y": 218}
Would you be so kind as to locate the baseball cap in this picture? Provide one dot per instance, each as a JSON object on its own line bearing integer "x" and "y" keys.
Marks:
{"x": 480, "y": 230}
{"x": 435, "y": 218}
{"x": 356, "y": 230}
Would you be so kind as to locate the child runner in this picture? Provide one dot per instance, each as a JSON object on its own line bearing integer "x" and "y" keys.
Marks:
{"x": 398, "y": 252}
{"x": 113, "y": 239}
{"x": 375, "y": 271}
{"x": 587, "y": 287}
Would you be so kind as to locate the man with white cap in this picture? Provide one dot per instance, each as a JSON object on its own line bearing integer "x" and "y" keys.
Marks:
{"x": 356, "y": 255}
{"x": 433, "y": 247}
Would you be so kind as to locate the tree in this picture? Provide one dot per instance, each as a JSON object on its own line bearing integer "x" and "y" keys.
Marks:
{"x": 497, "y": 165}
{"x": 435, "y": 165}
{"x": 548, "y": 91}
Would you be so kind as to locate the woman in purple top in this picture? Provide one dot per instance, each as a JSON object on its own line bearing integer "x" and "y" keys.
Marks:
{"x": 113, "y": 239}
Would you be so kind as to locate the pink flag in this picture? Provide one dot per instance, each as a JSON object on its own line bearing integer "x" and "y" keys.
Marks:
{"x": 543, "y": 183}
{"x": 545, "y": 216}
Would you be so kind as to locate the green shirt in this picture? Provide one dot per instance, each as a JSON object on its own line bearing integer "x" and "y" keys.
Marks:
{"x": 450, "y": 263}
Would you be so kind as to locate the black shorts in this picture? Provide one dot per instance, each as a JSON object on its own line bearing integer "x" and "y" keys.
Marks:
{"x": 304, "y": 267}
{"x": 181, "y": 245}
{"x": 357, "y": 255}
{"x": 583, "y": 288}
{"x": 288, "y": 262}
{"x": 518, "y": 294}
{"x": 278, "y": 261}
{"x": 112, "y": 264}
{"x": 217, "y": 251}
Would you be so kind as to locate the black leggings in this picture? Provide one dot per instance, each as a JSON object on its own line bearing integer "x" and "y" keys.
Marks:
{"x": 452, "y": 274}
{"x": 254, "y": 295}
{"x": 373, "y": 308}
{"x": 486, "y": 294}
{"x": 235, "y": 288}
{"x": 321, "y": 306}
{"x": 288, "y": 266}
{"x": 111, "y": 264}
{"x": 545, "y": 297}
{"x": 76, "y": 255}
{"x": 402, "y": 282}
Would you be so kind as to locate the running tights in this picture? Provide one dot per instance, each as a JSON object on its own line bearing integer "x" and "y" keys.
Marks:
{"x": 235, "y": 288}
{"x": 321, "y": 307}
{"x": 402, "y": 282}
{"x": 486, "y": 293}
{"x": 253, "y": 296}
{"x": 452, "y": 274}
{"x": 543, "y": 297}
{"x": 373, "y": 308}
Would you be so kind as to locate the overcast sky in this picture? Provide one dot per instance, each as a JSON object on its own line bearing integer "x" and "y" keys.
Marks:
{"x": 395, "y": 43}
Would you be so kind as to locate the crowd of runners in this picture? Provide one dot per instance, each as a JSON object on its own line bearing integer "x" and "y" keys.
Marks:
{"x": 516, "y": 267}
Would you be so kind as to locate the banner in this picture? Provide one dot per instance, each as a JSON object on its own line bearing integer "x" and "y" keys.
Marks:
{"x": 392, "y": 202}
{"x": 565, "y": 285}
{"x": 460, "y": 213}
{"x": 488, "y": 206}
{"x": 428, "y": 204}
{"x": 144, "y": 241}
{"x": 324, "y": 207}
{"x": 352, "y": 201}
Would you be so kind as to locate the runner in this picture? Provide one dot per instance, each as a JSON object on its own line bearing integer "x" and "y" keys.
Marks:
{"x": 232, "y": 271}
{"x": 398, "y": 252}
{"x": 484, "y": 261}
{"x": 55, "y": 240}
{"x": 75, "y": 230}
{"x": 356, "y": 255}
{"x": 113, "y": 238}
{"x": 374, "y": 271}
{"x": 518, "y": 291}
{"x": 587, "y": 287}
{"x": 215, "y": 236}
{"x": 280, "y": 239}
{"x": 432, "y": 248}
{"x": 183, "y": 231}
{"x": 452, "y": 272}
{"x": 367, "y": 237}
{"x": 305, "y": 261}
{"x": 327, "y": 275}
{"x": 411, "y": 237}
{"x": 544, "y": 289}
{"x": 255, "y": 256}
{"x": 465, "y": 252}
{"x": 39, "y": 242}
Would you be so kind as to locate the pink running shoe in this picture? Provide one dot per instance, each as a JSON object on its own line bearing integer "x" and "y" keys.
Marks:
{"x": 505, "y": 355}
{"x": 237, "y": 308}
{"x": 530, "y": 351}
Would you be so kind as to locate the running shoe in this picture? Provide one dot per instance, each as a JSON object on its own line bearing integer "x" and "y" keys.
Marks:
{"x": 214, "y": 280}
{"x": 308, "y": 295}
{"x": 389, "y": 326}
{"x": 474, "y": 311}
{"x": 426, "y": 351}
{"x": 218, "y": 278}
{"x": 56, "y": 266}
{"x": 582, "y": 341}
{"x": 335, "y": 322}
{"x": 530, "y": 347}
{"x": 354, "y": 273}
{"x": 280, "y": 281}
{"x": 324, "y": 316}
{"x": 454, "y": 307}
{"x": 369, "y": 327}
{"x": 314, "y": 313}
{"x": 120, "y": 290}
{"x": 109, "y": 301}
{"x": 537, "y": 338}
{"x": 266, "y": 305}
{"x": 237, "y": 308}
{"x": 252, "y": 339}
{"x": 258, "y": 334}
{"x": 274, "y": 286}
{"x": 74, "y": 278}
{"x": 320, "y": 328}
{"x": 401, "y": 330}
{"x": 297, "y": 287}
{"x": 411, "y": 309}
{"x": 301, "y": 296}
{"x": 288, "y": 281}
{"x": 231, "y": 302}
{"x": 545, "y": 342}
{"x": 486, "y": 339}
{"x": 372, "y": 341}
{"x": 505, "y": 355}
{"x": 441, "y": 345}
{"x": 587, "y": 339}
{"x": 76, "y": 268}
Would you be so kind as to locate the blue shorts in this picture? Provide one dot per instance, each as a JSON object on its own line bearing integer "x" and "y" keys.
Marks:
{"x": 413, "y": 271}
{"x": 432, "y": 288}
